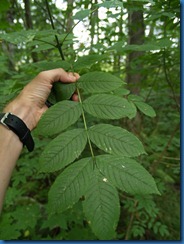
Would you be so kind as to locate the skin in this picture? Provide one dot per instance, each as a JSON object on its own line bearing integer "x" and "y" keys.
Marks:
{"x": 29, "y": 106}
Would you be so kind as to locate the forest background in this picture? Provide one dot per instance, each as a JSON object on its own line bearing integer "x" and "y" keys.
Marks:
{"x": 137, "y": 41}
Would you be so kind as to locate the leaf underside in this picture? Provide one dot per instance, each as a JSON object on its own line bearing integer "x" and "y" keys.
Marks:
{"x": 101, "y": 207}
{"x": 70, "y": 185}
{"x": 59, "y": 117}
{"x": 63, "y": 150}
{"x": 115, "y": 140}
{"x": 127, "y": 175}
{"x": 99, "y": 82}
{"x": 107, "y": 106}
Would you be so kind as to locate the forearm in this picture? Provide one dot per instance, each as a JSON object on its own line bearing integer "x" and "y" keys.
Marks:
{"x": 10, "y": 149}
{"x": 29, "y": 106}
{"x": 10, "y": 145}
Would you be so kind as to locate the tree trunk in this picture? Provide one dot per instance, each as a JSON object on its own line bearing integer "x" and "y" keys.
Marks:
{"x": 134, "y": 66}
{"x": 29, "y": 24}
{"x": 136, "y": 37}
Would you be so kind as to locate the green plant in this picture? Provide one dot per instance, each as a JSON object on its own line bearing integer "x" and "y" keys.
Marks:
{"x": 142, "y": 217}
{"x": 96, "y": 178}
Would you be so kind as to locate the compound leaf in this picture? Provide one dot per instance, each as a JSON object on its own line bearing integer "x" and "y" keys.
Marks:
{"x": 115, "y": 140}
{"x": 101, "y": 207}
{"x": 70, "y": 185}
{"x": 98, "y": 82}
{"x": 105, "y": 106}
{"x": 63, "y": 150}
{"x": 127, "y": 174}
{"x": 59, "y": 117}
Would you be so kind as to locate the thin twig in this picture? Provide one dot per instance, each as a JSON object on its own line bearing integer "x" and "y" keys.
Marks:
{"x": 53, "y": 27}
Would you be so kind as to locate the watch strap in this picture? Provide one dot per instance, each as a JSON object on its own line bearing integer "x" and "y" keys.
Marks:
{"x": 15, "y": 124}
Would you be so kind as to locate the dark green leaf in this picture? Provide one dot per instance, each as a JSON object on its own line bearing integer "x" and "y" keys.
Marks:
{"x": 98, "y": 82}
{"x": 127, "y": 174}
{"x": 63, "y": 150}
{"x": 59, "y": 117}
{"x": 107, "y": 106}
{"x": 70, "y": 185}
{"x": 145, "y": 109}
{"x": 115, "y": 140}
{"x": 101, "y": 207}
{"x": 63, "y": 91}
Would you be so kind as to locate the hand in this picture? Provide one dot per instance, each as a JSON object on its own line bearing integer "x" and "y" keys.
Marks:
{"x": 29, "y": 105}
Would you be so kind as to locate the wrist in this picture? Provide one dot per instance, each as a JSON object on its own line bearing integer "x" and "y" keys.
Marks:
{"x": 22, "y": 111}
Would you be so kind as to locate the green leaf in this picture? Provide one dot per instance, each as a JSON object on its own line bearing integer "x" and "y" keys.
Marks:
{"x": 19, "y": 37}
{"x": 59, "y": 117}
{"x": 43, "y": 47}
{"x": 87, "y": 61}
{"x": 55, "y": 221}
{"x": 110, "y": 4}
{"x": 26, "y": 216}
{"x": 115, "y": 140}
{"x": 70, "y": 185}
{"x": 97, "y": 82}
{"x": 101, "y": 207}
{"x": 80, "y": 15}
{"x": 63, "y": 91}
{"x": 63, "y": 150}
{"x": 8, "y": 230}
{"x": 127, "y": 174}
{"x": 107, "y": 106}
{"x": 145, "y": 109}
{"x": 135, "y": 98}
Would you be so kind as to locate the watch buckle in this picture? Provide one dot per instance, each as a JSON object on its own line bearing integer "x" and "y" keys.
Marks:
{"x": 3, "y": 119}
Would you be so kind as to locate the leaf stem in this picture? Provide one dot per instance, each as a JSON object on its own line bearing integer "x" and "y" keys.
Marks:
{"x": 85, "y": 126}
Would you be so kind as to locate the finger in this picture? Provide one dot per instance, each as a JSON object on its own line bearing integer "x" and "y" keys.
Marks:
{"x": 55, "y": 75}
{"x": 75, "y": 97}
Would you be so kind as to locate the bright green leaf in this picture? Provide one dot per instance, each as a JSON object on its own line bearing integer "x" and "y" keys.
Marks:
{"x": 127, "y": 174}
{"x": 98, "y": 82}
{"x": 115, "y": 140}
{"x": 101, "y": 207}
{"x": 63, "y": 150}
{"x": 107, "y": 106}
{"x": 70, "y": 185}
{"x": 59, "y": 117}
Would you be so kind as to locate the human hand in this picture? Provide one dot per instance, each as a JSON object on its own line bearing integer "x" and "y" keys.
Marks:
{"x": 29, "y": 105}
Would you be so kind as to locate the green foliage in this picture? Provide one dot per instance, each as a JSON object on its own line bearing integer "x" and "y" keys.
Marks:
{"x": 59, "y": 117}
{"x": 63, "y": 150}
{"x": 99, "y": 82}
{"x": 115, "y": 140}
{"x": 93, "y": 178}
{"x": 90, "y": 158}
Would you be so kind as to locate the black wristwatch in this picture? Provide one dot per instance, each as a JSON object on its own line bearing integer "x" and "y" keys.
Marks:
{"x": 15, "y": 124}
